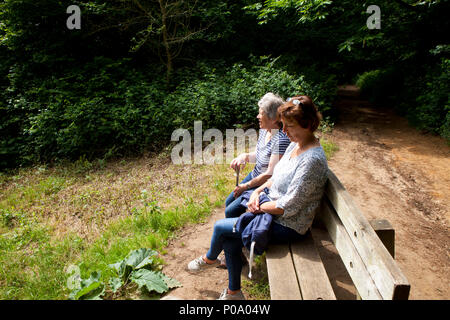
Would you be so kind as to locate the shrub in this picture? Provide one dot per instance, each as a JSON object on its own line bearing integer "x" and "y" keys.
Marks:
{"x": 423, "y": 97}
{"x": 380, "y": 86}
{"x": 226, "y": 97}
{"x": 108, "y": 108}
{"x": 431, "y": 112}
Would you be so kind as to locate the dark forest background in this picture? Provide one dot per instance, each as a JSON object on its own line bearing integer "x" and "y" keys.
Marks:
{"x": 139, "y": 69}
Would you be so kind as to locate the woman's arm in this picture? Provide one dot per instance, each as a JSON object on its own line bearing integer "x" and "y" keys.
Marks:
{"x": 280, "y": 143}
{"x": 270, "y": 207}
{"x": 261, "y": 179}
{"x": 253, "y": 202}
{"x": 243, "y": 158}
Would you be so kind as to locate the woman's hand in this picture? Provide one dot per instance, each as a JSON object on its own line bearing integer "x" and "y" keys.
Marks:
{"x": 253, "y": 202}
{"x": 238, "y": 161}
{"x": 239, "y": 189}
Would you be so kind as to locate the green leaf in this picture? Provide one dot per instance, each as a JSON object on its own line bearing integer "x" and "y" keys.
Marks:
{"x": 170, "y": 282}
{"x": 116, "y": 266}
{"x": 144, "y": 263}
{"x": 90, "y": 289}
{"x": 136, "y": 259}
{"x": 151, "y": 280}
{"x": 115, "y": 284}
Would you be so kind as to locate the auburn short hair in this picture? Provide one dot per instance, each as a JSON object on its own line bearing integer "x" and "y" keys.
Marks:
{"x": 304, "y": 112}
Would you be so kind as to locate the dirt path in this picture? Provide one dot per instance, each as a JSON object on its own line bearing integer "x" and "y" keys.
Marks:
{"x": 192, "y": 242}
{"x": 393, "y": 172}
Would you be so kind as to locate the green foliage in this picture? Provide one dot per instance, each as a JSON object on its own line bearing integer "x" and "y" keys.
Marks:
{"x": 423, "y": 99}
{"x": 89, "y": 289}
{"x": 97, "y": 109}
{"x": 394, "y": 63}
{"x": 137, "y": 259}
{"x": 136, "y": 267}
{"x": 224, "y": 97}
{"x": 11, "y": 218}
{"x": 108, "y": 108}
{"x": 431, "y": 112}
{"x": 258, "y": 288}
{"x": 32, "y": 266}
{"x": 153, "y": 281}
{"x": 66, "y": 94}
{"x": 377, "y": 85}
{"x": 329, "y": 147}
{"x": 35, "y": 252}
{"x": 368, "y": 80}
{"x": 307, "y": 10}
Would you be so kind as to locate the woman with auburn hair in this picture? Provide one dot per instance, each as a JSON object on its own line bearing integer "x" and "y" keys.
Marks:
{"x": 291, "y": 196}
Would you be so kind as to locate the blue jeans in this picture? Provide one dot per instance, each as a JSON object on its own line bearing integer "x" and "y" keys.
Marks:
{"x": 224, "y": 238}
{"x": 233, "y": 207}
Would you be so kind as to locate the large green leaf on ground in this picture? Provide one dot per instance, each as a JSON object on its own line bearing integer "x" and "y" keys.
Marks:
{"x": 170, "y": 282}
{"x": 154, "y": 281}
{"x": 115, "y": 284}
{"x": 151, "y": 280}
{"x": 136, "y": 259}
{"x": 90, "y": 289}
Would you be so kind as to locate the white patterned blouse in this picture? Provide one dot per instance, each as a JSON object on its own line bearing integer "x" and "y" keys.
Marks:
{"x": 297, "y": 187}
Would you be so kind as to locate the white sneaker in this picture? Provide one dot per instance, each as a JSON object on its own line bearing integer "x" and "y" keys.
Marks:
{"x": 226, "y": 296}
{"x": 199, "y": 264}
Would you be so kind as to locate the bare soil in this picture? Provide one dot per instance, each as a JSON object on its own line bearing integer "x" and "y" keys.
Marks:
{"x": 393, "y": 172}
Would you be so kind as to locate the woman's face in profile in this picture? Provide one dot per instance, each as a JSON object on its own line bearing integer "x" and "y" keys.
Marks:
{"x": 291, "y": 129}
{"x": 265, "y": 122}
{"x": 263, "y": 119}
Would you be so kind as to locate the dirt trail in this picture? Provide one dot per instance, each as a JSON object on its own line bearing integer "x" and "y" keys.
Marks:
{"x": 393, "y": 172}
{"x": 192, "y": 242}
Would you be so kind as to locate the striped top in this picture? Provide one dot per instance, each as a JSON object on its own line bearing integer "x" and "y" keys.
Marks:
{"x": 277, "y": 145}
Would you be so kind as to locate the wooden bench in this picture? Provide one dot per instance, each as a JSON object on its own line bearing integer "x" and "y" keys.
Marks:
{"x": 296, "y": 271}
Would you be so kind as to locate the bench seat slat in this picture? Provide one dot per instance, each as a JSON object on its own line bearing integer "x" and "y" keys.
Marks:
{"x": 311, "y": 274}
{"x": 348, "y": 254}
{"x": 280, "y": 270}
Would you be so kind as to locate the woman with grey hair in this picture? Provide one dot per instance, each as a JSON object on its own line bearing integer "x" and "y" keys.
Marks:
{"x": 289, "y": 199}
{"x": 272, "y": 144}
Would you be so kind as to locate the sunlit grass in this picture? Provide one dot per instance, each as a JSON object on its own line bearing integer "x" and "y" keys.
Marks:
{"x": 89, "y": 215}
{"x": 329, "y": 147}
{"x": 258, "y": 287}
{"x": 94, "y": 214}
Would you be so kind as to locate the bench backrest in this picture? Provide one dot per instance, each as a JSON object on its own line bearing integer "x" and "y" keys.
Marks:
{"x": 374, "y": 272}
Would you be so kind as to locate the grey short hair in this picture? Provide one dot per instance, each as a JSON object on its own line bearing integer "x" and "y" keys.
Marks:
{"x": 269, "y": 103}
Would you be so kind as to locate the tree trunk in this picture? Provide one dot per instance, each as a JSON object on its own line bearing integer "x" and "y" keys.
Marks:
{"x": 165, "y": 41}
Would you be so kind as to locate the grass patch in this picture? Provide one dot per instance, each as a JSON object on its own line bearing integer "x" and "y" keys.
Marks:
{"x": 329, "y": 147}
{"x": 32, "y": 266}
{"x": 258, "y": 287}
{"x": 91, "y": 216}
